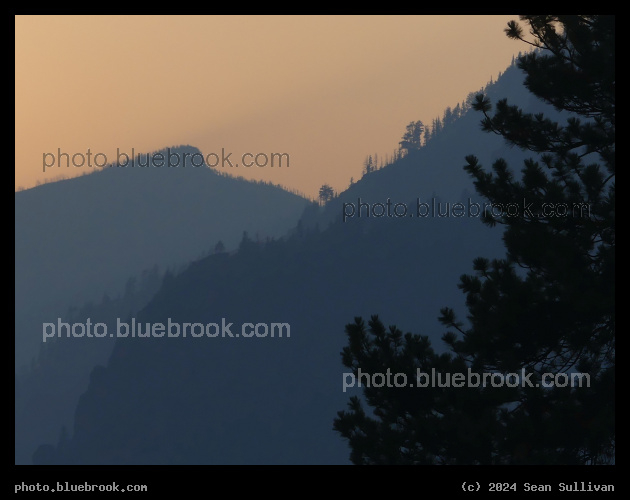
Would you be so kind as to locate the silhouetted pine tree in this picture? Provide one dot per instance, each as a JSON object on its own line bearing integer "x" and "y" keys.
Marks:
{"x": 427, "y": 135}
{"x": 327, "y": 193}
{"x": 549, "y": 307}
{"x": 412, "y": 138}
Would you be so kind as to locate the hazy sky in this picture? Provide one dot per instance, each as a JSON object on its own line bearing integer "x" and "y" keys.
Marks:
{"x": 327, "y": 90}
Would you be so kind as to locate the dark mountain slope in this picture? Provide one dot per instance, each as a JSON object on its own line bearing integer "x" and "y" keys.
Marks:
{"x": 80, "y": 240}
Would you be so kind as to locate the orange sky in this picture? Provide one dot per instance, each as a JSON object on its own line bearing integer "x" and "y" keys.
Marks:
{"x": 327, "y": 90}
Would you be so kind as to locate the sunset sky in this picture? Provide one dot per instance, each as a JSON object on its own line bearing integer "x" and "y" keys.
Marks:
{"x": 327, "y": 90}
